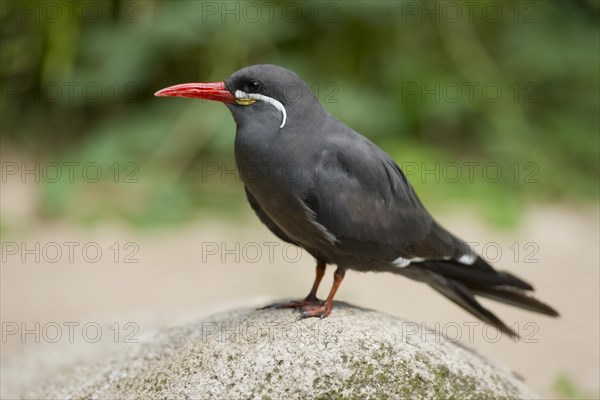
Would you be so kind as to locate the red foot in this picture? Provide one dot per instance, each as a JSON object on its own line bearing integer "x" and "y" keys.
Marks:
{"x": 307, "y": 302}
{"x": 320, "y": 311}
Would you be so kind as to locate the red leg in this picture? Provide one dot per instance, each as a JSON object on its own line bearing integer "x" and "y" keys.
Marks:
{"x": 312, "y": 296}
{"x": 324, "y": 309}
{"x": 311, "y": 299}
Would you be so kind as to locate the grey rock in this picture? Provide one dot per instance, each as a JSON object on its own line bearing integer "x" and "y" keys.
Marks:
{"x": 268, "y": 354}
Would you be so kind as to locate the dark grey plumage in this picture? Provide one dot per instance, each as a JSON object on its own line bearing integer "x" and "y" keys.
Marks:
{"x": 316, "y": 183}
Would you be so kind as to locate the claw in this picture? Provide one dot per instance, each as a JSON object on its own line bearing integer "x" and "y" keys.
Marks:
{"x": 295, "y": 304}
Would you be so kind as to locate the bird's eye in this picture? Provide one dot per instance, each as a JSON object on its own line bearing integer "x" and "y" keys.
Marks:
{"x": 253, "y": 86}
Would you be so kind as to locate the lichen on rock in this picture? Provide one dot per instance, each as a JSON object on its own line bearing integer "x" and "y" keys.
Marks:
{"x": 268, "y": 354}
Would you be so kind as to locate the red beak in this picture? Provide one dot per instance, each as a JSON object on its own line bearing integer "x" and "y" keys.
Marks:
{"x": 208, "y": 91}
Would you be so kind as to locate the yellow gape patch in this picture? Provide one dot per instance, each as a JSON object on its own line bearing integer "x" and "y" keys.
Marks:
{"x": 245, "y": 102}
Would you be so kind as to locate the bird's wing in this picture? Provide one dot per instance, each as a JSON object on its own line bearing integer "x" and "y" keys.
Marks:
{"x": 361, "y": 197}
{"x": 265, "y": 219}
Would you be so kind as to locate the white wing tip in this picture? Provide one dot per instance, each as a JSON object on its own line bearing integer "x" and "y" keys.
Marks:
{"x": 468, "y": 259}
{"x": 401, "y": 262}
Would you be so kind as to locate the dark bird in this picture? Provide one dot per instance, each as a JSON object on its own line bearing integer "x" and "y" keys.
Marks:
{"x": 318, "y": 184}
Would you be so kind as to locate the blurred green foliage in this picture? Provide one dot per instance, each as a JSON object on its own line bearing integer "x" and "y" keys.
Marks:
{"x": 567, "y": 389}
{"x": 417, "y": 78}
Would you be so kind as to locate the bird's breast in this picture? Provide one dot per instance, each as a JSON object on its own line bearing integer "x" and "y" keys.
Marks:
{"x": 278, "y": 183}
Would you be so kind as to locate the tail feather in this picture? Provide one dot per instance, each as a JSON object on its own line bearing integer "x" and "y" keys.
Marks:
{"x": 465, "y": 273}
{"x": 458, "y": 293}
{"x": 460, "y": 283}
{"x": 514, "y": 297}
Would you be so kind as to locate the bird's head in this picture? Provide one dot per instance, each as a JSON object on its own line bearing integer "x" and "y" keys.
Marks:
{"x": 259, "y": 94}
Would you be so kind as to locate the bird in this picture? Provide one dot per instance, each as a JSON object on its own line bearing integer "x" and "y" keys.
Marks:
{"x": 319, "y": 185}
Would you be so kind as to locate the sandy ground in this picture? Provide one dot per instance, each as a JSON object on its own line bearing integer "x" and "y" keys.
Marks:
{"x": 207, "y": 266}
